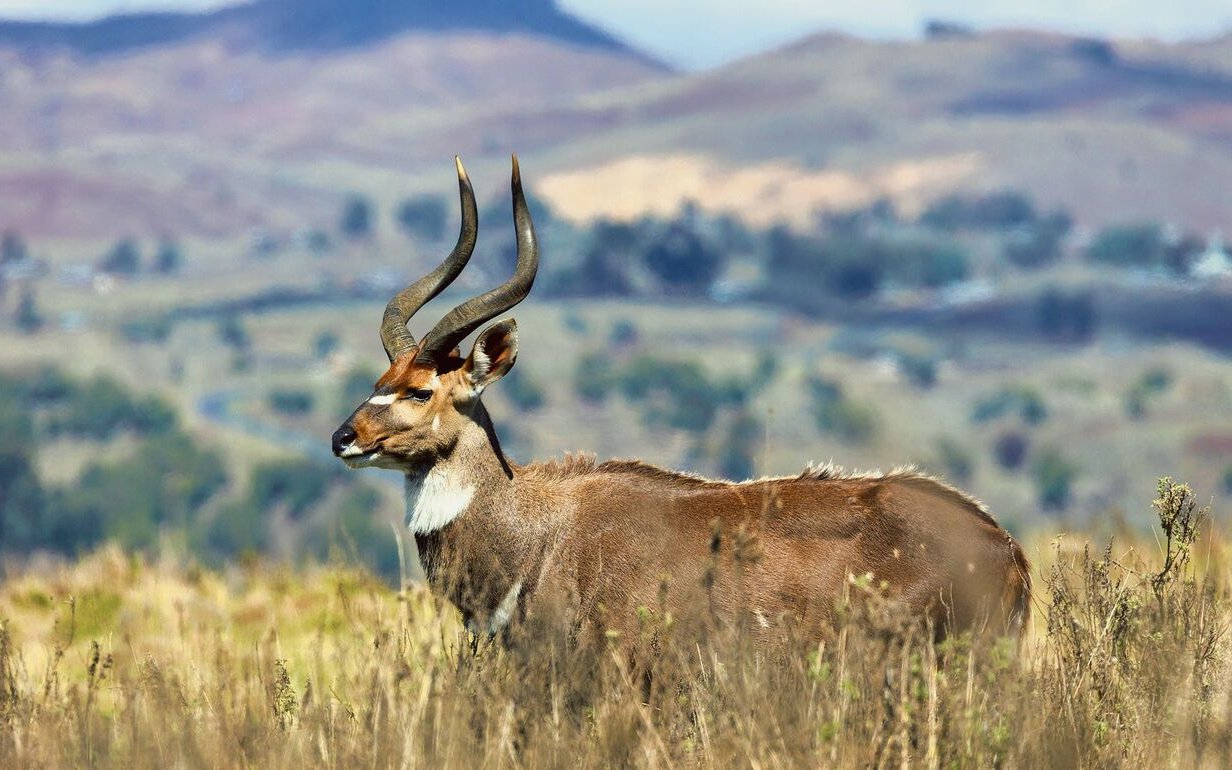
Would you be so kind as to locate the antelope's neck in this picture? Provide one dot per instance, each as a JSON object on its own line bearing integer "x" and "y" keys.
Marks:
{"x": 478, "y": 544}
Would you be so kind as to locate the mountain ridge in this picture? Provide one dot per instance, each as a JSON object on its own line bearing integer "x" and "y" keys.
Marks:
{"x": 290, "y": 26}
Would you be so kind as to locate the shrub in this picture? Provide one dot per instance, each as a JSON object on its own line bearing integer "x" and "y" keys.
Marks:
{"x": 677, "y": 394}
{"x": 1031, "y": 406}
{"x": 855, "y": 266}
{"x": 1037, "y": 244}
{"x": 291, "y": 402}
{"x": 23, "y": 521}
{"x": 737, "y": 452}
{"x": 169, "y": 258}
{"x": 1054, "y": 476}
{"x": 325, "y": 344}
{"x": 357, "y": 387}
{"x": 955, "y": 460}
{"x": 1149, "y": 384}
{"x": 148, "y": 329}
{"x": 124, "y": 259}
{"x": 29, "y": 318}
{"x": 423, "y": 216}
{"x": 991, "y": 211}
{"x": 1065, "y": 316}
{"x": 101, "y": 408}
{"x": 238, "y": 529}
{"x": 12, "y": 247}
{"x": 1130, "y": 245}
{"x": 1010, "y": 449}
{"x": 523, "y": 391}
{"x": 683, "y": 261}
{"x": 919, "y": 370}
{"x": 168, "y": 479}
{"x": 593, "y": 377}
{"x": 232, "y": 332}
{"x": 1026, "y": 401}
{"x": 624, "y": 332}
{"x": 354, "y": 534}
{"x": 296, "y": 484}
{"x": 356, "y": 218}
{"x": 318, "y": 243}
{"x": 834, "y": 413}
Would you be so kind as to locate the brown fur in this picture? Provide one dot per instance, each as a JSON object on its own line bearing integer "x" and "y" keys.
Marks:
{"x": 598, "y": 541}
{"x": 601, "y": 543}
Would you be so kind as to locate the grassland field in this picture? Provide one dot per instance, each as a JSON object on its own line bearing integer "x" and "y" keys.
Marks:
{"x": 122, "y": 660}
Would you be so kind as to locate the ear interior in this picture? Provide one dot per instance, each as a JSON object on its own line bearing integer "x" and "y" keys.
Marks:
{"x": 494, "y": 353}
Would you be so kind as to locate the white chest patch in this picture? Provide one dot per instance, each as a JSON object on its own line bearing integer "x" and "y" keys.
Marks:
{"x": 435, "y": 499}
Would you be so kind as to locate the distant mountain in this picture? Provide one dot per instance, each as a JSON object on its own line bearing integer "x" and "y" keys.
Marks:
{"x": 213, "y": 135}
{"x": 294, "y": 25}
{"x": 1111, "y": 130}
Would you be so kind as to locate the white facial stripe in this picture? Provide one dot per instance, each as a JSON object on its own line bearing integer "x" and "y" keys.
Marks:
{"x": 385, "y": 400}
{"x": 504, "y": 611}
{"x": 435, "y": 499}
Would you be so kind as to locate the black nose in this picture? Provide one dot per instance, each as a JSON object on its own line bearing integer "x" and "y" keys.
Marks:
{"x": 343, "y": 438}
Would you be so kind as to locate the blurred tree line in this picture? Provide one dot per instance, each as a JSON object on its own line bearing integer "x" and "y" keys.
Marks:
{"x": 164, "y": 482}
{"x": 850, "y": 256}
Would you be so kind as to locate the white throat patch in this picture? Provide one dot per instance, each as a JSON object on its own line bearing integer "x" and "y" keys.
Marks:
{"x": 435, "y": 499}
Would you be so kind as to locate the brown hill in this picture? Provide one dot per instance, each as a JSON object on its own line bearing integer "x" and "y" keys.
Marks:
{"x": 199, "y": 138}
{"x": 1112, "y": 131}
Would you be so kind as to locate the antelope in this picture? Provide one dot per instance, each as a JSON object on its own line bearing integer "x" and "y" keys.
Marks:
{"x": 611, "y": 539}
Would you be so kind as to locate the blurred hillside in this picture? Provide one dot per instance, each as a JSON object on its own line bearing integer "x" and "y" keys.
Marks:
{"x": 259, "y": 115}
{"x": 993, "y": 255}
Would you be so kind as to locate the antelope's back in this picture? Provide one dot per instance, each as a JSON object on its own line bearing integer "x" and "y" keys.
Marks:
{"x": 791, "y": 545}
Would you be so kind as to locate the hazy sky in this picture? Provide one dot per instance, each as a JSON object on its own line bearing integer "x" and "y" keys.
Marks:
{"x": 701, "y": 33}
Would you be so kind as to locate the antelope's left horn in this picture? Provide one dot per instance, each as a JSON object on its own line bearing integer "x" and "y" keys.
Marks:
{"x": 396, "y": 338}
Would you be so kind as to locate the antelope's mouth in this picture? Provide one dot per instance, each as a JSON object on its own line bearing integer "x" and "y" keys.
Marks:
{"x": 356, "y": 456}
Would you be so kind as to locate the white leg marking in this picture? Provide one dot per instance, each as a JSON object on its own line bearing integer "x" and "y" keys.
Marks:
{"x": 435, "y": 499}
{"x": 504, "y": 611}
{"x": 385, "y": 400}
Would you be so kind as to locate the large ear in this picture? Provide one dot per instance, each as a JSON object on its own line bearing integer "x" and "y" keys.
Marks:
{"x": 493, "y": 354}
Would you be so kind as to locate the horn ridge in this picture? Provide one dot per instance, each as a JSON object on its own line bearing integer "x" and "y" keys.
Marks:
{"x": 395, "y": 337}
{"x": 465, "y": 318}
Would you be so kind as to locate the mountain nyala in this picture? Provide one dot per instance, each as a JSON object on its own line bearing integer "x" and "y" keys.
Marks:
{"x": 608, "y": 542}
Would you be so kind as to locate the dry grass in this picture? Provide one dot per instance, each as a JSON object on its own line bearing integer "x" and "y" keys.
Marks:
{"x": 118, "y": 662}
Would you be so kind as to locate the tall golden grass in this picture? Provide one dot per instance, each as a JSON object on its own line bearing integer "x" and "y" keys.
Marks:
{"x": 119, "y": 661}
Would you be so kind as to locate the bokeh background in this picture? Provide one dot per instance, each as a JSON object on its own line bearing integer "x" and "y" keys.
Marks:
{"x": 978, "y": 239}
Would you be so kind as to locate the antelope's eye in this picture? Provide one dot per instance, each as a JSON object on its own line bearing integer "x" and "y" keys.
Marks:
{"x": 419, "y": 395}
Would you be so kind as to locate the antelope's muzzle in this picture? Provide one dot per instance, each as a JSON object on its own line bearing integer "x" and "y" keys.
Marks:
{"x": 343, "y": 438}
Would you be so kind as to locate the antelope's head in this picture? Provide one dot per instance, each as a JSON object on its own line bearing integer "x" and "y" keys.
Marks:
{"x": 429, "y": 394}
